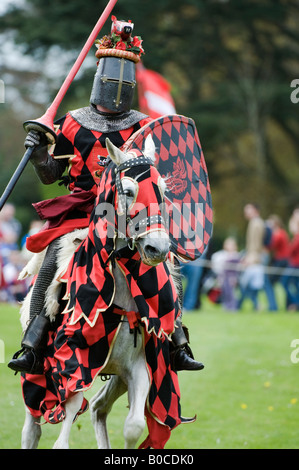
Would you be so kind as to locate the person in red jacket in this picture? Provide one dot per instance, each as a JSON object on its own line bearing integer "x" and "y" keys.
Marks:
{"x": 278, "y": 247}
{"x": 290, "y": 279}
{"x": 279, "y": 244}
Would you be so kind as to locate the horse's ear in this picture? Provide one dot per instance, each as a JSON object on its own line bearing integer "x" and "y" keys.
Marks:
{"x": 116, "y": 155}
{"x": 149, "y": 148}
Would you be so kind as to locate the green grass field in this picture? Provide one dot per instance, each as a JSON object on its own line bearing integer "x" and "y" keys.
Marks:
{"x": 247, "y": 397}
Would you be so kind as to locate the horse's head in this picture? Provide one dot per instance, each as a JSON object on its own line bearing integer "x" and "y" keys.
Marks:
{"x": 140, "y": 200}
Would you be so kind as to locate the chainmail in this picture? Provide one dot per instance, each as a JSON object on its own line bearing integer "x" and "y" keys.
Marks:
{"x": 44, "y": 279}
{"x": 179, "y": 287}
{"x": 92, "y": 119}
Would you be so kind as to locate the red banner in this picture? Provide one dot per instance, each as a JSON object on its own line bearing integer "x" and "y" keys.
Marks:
{"x": 153, "y": 93}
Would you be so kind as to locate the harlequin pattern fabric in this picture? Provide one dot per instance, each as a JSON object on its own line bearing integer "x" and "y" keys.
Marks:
{"x": 78, "y": 350}
{"x": 44, "y": 395}
{"x": 84, "y": 147}
{"x": 163, "y": 410}
{"x": 90, "y": 283}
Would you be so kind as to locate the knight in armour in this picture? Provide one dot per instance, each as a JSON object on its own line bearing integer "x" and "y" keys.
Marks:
{"x": 80, "y": 149}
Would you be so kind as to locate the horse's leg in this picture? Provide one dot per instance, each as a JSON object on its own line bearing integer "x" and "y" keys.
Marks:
{"x": 138, "y": 387}
{"x": 72, "y": 406}
{"x": 100, "y": 406}
{"x": 31, "y": 431}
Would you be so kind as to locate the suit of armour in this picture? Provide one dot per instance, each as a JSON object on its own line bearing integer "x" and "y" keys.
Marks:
{"x": 80, "y": 149}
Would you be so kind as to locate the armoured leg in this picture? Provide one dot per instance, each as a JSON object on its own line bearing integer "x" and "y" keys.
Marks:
{"x": 34, "y": 341}
{"x": 44, "y": 279}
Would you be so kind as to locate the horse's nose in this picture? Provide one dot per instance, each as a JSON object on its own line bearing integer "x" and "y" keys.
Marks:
{"x": 155, "y": 253}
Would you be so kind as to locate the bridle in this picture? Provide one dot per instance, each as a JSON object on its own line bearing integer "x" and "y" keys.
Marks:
{"x": 130, "y": 223}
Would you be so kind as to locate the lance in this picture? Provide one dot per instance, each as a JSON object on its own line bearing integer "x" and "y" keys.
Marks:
{"x": 45, "y": 123}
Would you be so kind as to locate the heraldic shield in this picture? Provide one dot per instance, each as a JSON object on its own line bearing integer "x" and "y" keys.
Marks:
{"x": 180, "y": 161}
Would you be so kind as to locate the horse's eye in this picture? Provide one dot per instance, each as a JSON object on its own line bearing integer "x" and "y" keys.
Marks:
{"x": 129, "y": 193}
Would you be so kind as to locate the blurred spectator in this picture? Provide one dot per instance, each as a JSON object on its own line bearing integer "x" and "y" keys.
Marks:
{"x": 14, "y": 290}
{"x": 192, "y": 272}
{"x": 8, "y": 222}
{"x": 35, "y": 226}
{"x": 11, "y": 290}
{"x": 278, "y": 252}
{"x": 291, "y": 280}
{"x": 2, "y": 283}
{"x": 224, "y": 265}
{"x": 7, "y": 245}
{"x": 10, "y": 230}
{"x": 252, "y": 279}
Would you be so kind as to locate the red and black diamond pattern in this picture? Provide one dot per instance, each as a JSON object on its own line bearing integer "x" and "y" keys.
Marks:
{"x": 84, "y": 146}
{"x": 180, "y": 160}
{"x": 90, "y": 283}
{"x": 164, "y": 395}
{"x": 77, "y": 351}
{"x": 44, "y": 395}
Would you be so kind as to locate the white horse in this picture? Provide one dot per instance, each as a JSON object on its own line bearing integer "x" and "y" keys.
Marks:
{"x": 127, "y": 362}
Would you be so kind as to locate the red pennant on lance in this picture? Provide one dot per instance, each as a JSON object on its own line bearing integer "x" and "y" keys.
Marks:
{"x": 153, "y": 93}
{"x": 180, "y": 160}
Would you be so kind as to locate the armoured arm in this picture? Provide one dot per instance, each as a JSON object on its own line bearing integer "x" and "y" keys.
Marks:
{"x": 47, "y": 169}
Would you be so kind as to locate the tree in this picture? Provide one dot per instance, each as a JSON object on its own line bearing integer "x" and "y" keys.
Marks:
{"x": 230, "y": 65}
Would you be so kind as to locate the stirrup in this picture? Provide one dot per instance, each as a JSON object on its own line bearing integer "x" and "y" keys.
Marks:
{"x": 15, "y": 356}
{"x": 20, "y": 351}
{"x": 34, "y": 365}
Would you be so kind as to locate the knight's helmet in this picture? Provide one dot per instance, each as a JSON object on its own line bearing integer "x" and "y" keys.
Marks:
{"x": 114, "y": 82}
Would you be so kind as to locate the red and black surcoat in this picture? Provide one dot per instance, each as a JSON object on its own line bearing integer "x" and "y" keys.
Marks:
{"x": 79, "y": 147}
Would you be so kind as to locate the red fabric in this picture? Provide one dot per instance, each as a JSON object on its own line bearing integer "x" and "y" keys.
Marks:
{"x": 2, "y": 280}
{"x": 279, "y": 245}
{"x": 160, "y": 420}
{"x": 294, "y": 251}
{"x": 158, "y": 434}
{"x": 56, "y": 210}
{"x": 38, "y": 242}
{"x": 153, "y": 93}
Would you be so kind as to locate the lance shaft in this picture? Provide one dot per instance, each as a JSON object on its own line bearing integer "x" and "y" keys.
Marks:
{"x": 48, "y": 118}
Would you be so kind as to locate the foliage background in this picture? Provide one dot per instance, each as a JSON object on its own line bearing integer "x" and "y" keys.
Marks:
{"x": 230, "y": 64}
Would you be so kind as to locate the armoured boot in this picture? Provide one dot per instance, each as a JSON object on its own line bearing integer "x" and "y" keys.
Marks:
{"x": 181, "y": 354}
{"x": 33, "y": 346}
